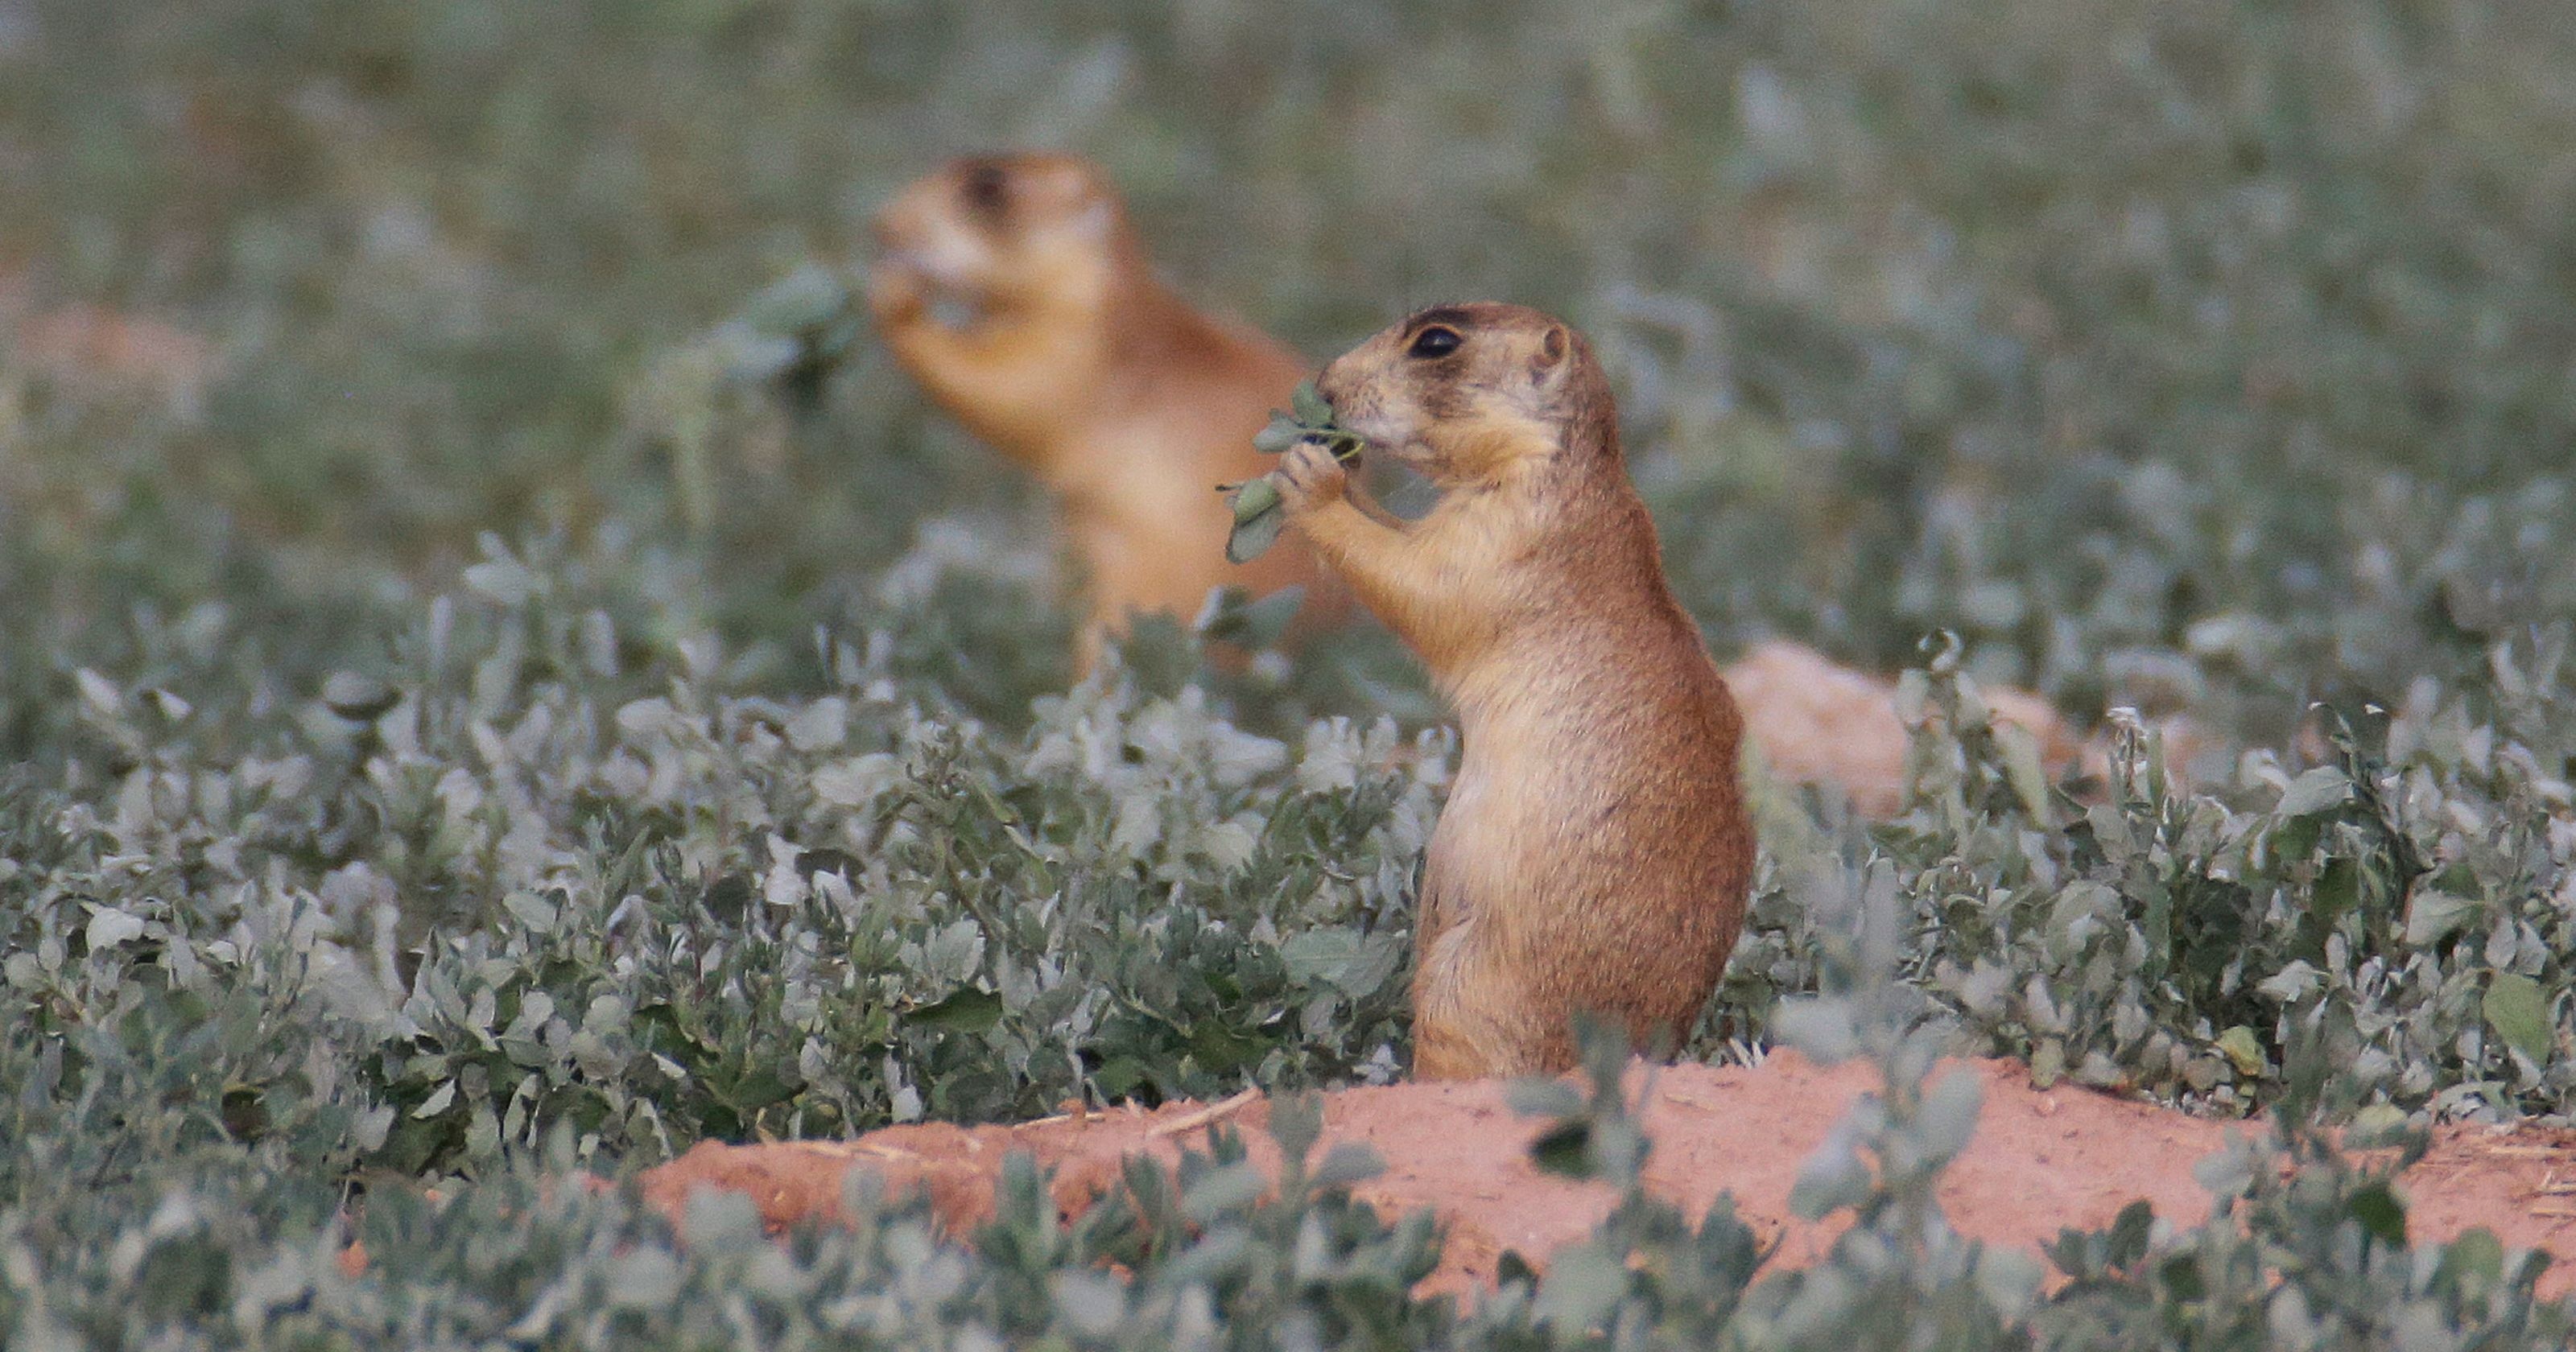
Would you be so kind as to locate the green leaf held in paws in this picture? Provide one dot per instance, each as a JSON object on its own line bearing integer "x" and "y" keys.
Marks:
{"x": 1310, "y": 418}
{"x": 1258, "y": 498}
{"x": 1258, "y": 517}
{"x": 1309, "y": 405}
{"x": 1282, "y": 433}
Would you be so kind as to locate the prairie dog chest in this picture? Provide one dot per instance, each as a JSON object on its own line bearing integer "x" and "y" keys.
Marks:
{"x": 1505, "y": 817}
{"x": 1138, "y": 477}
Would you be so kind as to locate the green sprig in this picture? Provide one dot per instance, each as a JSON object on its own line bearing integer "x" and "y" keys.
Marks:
{"x": 1258, "y": 507}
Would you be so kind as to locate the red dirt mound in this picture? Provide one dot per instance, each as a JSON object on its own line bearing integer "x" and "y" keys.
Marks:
{"x": 2041, "y": 1161}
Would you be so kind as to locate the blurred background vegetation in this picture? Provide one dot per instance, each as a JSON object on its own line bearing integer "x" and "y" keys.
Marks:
{"x": 447, "y": 706}
{"x": 2193, "y": 354}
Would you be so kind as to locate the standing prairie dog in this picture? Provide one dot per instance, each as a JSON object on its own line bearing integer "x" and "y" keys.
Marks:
{"x": 1014, "y": 289}
{"x": 1595, "y": 851}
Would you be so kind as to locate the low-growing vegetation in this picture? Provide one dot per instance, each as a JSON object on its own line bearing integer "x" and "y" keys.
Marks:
{"x": 516, "y": 685}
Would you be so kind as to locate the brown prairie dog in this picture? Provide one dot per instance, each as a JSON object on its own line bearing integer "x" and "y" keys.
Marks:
{"x": 1595, "y": 851}
{"x": 1015, "y": 290}
{"x": 1818, "y": 722}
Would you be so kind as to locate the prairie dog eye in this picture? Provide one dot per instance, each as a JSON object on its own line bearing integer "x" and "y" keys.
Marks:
{"x": 986, "y": 185}
{"x": 1435, "y": 341}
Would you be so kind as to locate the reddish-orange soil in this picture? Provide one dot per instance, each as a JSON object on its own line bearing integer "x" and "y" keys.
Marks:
{"x": 2041, "y": 1161}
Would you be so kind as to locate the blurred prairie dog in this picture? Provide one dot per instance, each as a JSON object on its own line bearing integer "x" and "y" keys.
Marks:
{"x": 1595, "y": 851}
{"x": 1015, "y": 290}
{"x": 1816, "y": 721}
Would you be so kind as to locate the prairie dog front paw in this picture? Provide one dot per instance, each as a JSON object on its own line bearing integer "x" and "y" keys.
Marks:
{"x": 1310, "y": 477}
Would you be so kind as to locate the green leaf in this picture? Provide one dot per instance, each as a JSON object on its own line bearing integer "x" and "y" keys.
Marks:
{"x": 806, "y": 298}
{"x": 642, "y": 1278}
{"x": 1824, "y": 1029}
{"x": 2380, "y": 1124}
{"x": 1278, "y": 436}
{"x": 2518, "y": 1010}
{"x": 1537, "y": 1097}
{"x": 1310, "y": 406}
{"x": 1254, "y": 498}
{"x": 437, "y": 1101}
{"x": 1296, "y": 1122}
{"x": 764, "y": 1087}
{"x": 1254, "y": 624}
{"x": 1583, "y": 1286}
{"x": 2316, "y": 791}
{"x": 1564, "y": 1149}
{"x": 1347, "y": 1163}
{"x": 1118, "y": 1077}
{"x": 967, "y": 1011}
{"x": 1221, "y": 1049}
{"x": 1831, "y": 1179}
{"x": 2380, "y": 1213}
{"x": 2182, "y": 1277}
{"x": 531, "y": 910}
{"x": 357, "y": 698}
{"x": 1319, "y": 953}
{"x": 1252, "y": 538}
{"x": 2047, "y": 1063}
{"x": 2024, "y": 767}
{"x": 2131, "y": 1232}
{"x": 2471, "y": 1264}
{"x": 1356, "y": 964}
{"x": 2433, "y": 915}
{"x": 1219, "y": 1191}
{"x": 2242, "y": 1050}
{"x": 1949, "y": 1115}
{"x": 182, "y": 1276}
{"x": 108, "y": 928}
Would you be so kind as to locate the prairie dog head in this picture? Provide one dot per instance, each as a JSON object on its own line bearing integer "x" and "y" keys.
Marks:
{"x": 1475, "y": 395}
{"x": 993, "y": 234}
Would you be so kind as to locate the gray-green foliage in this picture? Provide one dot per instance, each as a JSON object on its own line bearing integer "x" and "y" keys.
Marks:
{"x": 1215, "y": 1254}
{"x": 2399, "y": 914}
{"x": 527, "y": 885}
{"x": 2163, "y": 352}
{"x": 2195, "y": 357}
{"x": 2305, "y": 1248}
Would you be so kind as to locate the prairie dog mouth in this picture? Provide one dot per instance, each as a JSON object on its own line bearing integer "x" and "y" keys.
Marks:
{"x": 1377, "y": 430}
{"x": 949, "y": 299}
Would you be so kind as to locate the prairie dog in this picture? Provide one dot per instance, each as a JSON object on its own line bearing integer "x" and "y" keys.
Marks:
{"x": 1819, "y": 722}
{"x": 1015, "y": 290}
{"x": 1595, "y": 851}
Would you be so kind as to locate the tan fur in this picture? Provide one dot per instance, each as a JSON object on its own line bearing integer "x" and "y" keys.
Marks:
{"x": 1017, "y": 292}
{"x": 103, "y": 352}
{"x": 1595, "y": 852}
{"x": 1820, "y": 722}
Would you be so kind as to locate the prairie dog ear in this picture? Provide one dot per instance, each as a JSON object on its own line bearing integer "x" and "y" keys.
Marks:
{"x": 1092, "y": 224}
{"x": 1548, "y": 363}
